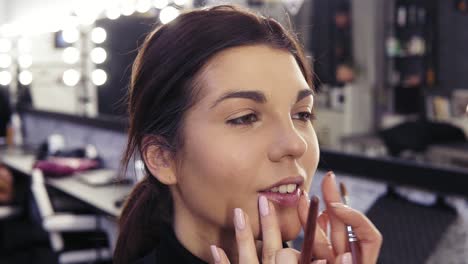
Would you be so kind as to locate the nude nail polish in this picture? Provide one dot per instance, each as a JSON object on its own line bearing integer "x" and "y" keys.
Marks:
{"x": 347, "y": 258}
{"x": 263, "y": 204}
{"x": 239, "y": 220}
{"x": 339, "y": 206}
{"x": 215, "y": 253}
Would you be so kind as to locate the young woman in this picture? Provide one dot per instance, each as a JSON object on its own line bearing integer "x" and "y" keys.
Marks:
{"x": 220, "y": 108}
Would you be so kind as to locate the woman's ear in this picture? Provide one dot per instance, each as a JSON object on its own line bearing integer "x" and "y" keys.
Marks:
{"x": 160, "y": 163}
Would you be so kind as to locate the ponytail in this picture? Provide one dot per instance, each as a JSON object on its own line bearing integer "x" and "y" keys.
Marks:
{"x": 147, "y": 208}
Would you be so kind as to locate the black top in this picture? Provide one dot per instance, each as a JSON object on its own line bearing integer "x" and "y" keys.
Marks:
{"x": 169, "y": 250}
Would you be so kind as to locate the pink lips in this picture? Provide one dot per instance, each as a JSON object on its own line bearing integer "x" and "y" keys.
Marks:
{"x": 285, "y": 199}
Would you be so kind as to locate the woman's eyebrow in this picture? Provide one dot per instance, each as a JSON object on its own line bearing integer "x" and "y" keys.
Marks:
{"x": 256, "y": 96}
{"x": 304, "y": 93}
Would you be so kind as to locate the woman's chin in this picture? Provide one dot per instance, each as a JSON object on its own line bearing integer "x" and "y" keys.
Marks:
{"x": 289, "y": 223}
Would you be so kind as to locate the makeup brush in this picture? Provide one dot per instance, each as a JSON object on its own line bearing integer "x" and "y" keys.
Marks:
{"x": 352, "y": 238}
{"x": 309, "y": 232}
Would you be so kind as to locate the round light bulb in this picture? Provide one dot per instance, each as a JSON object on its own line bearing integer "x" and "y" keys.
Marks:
{"x": 98, "y": 55}
{"x": 160, "y": 4}
{"x": 71, "y": 77}
{"x": 5, "y": 60}
{"x": 70, "y": 35}
{"x": 24, "y": 45}
{"x": 143, "y": 6}
{"x": 128, "y": 9}
{"x": 98, "y": 35}
{"x": 180, "y": 2}
{"x": 113, "y": 13}
{"x": 71, "y": 55}
{"x": 5, "y": 78}
{"x": 25, "y": 77}
{"x": 99, "y": 77}
{"x": 168, "y": 14}
{"x": 5, "y": 45}
{"x": 25, "y": 61}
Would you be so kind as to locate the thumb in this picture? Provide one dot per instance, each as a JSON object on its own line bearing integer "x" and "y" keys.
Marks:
{"x": 345, "y": 258}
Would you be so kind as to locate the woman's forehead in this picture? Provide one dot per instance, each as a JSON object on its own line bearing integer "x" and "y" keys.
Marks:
{"x": 258, "y": 67}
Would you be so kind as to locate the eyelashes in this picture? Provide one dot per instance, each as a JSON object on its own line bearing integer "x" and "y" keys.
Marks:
{"x": 243, "y": 120}
{"x": 251, "y": 118}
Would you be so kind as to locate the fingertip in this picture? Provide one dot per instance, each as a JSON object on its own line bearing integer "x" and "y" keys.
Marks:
{"x": 215, "y": 254}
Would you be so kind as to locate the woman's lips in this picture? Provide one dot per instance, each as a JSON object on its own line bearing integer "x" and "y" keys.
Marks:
{"x": 283, "y": 199}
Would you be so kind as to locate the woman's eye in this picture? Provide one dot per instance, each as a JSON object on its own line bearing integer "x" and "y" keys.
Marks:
{"x": 304, "y": 116}
{"x": 243, "y": 120}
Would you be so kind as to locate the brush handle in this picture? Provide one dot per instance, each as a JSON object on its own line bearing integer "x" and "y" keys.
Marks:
{"x": 309, "y": 232}
{"x": 355, "y": 252}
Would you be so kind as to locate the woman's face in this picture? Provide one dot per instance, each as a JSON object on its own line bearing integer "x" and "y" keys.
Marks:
{"x": 249, "y": 131}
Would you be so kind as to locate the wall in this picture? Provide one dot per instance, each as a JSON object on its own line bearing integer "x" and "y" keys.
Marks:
{"x": 3, "y": 12}
{"x": 453, "y": 40}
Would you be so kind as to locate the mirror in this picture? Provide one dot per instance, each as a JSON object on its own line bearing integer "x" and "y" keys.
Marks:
{"x": 367, "y": 83}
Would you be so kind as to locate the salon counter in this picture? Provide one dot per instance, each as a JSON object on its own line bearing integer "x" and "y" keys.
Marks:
{"x": 104, "y": 199}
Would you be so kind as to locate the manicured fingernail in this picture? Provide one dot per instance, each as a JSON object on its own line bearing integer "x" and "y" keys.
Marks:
{"x": 239, "y": 220}
{"x": 321, "y": 261}
{"x": 347, "y": 258}
{"x": 306, "y": 195}
{"x": 263, "y": 204}
{"x": 331, "y": 174}
{"x": 339, "y": 206}
{"x": 215, "y": 253}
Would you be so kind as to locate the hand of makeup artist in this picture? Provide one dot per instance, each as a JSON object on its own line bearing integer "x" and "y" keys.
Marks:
{"x": 339, "y": 215}
{"x": 272, "y": 251}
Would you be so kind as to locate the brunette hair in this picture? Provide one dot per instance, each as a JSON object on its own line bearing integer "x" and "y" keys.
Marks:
{"x": 164, "y": 86}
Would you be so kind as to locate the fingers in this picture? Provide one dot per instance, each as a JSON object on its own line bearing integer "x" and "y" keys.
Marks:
{"x": 344, "y": 259}
{"x": 323, "y": 222}
{"x": 287, "y": 255}
{"x": 369, "y": 237}
{"x": 322, "y": 248}
{"x": 271, "y": 234}
{"x": 338, "y": 229}
{"x": 219, "y": 256}
{"x": 244, "y": 238}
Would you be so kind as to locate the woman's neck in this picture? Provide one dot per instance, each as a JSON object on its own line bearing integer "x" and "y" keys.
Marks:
{"x": 196, "y": 235}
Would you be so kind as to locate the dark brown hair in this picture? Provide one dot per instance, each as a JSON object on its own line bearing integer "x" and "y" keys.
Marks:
{"x": 164, "y": 86}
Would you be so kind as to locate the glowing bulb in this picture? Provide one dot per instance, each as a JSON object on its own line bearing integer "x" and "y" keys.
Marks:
{"x": 113, "y": 13}
{"x": 98, "y": 35}
{"x": 24, "y": 45}
{"x": 128, "y": 9}
{"x": 70, "y": 35}
{"x": 98, "y": 55}
{"x": 143, "y": 6}
{"x": 71, "y": 77}
{"x": 25, "y": 77}
{"x": 5, "y": 60}
{"x": 5, "y": 78}
{"x": 160, "y": 4}
{"x": 168, "y": 14}
{"x": 5, "y": 45}
{"x": 25, "y": 61}
{"x": 71, "y": 55}
{"x": 180, "y": 2}
{"x": 99, "y": 77}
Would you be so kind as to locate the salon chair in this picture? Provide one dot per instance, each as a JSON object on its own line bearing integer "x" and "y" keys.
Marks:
{"x": 66, "y": 229}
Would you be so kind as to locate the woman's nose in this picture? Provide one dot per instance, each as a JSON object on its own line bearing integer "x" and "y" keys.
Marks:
{"x": 287, "y": 143}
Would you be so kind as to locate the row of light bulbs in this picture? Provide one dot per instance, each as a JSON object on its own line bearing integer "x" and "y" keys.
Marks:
{"x": 71, "y": 34}
{"x": 71, "y": 55}
{"x": 24, "y": 62}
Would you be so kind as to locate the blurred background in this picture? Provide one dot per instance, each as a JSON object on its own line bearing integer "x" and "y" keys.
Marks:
{"x": 391, "y": 104}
